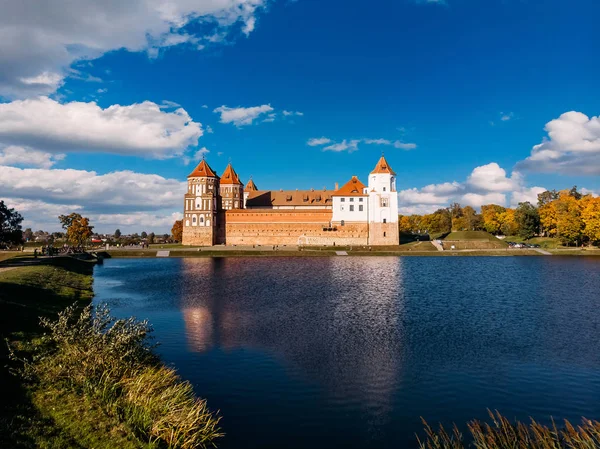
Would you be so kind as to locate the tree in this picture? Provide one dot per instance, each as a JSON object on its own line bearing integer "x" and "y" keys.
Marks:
{"x": 151, "y": 237}
{"x": 508, "y": 224}
{"x": 144, "y": 234}
{"x": 78, "y": 228}
{"x": 490, "y": 215}
{"x": 118, "y": 234}
{"x": 569, "y": 225}
{"x": 590, "y": 214}
{"x": 575, "y": 193}
{"x": 404, "y": 224}
{"x": 528, "y": 220}
{"x": 27, "y": 234}
{"x": 547, "y": 212}
{"x": 177, "y": 230}
{"x": 547, "y": 197}
{"x": 471, "y": 218}
{"x": 10, "y": 226}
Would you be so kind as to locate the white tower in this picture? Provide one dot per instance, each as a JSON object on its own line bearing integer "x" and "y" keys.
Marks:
{"x": 383, "y": 205}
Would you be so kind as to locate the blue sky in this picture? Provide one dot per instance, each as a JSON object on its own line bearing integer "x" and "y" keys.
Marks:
{"x": 105, "y": 109}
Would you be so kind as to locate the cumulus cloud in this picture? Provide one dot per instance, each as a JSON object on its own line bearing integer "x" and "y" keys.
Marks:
{"x": 486, "y": 184}
{"x": 139, "y": 129}
{"x": 241, "y": 116}
{"x": 43, "y": 194}
{"x": 26, "y": 157}
{"x": 39, "y": 41}
{"x": 197, "y": 156}
{"x": 571, "y": 147}
{"x": 290, "y": 113}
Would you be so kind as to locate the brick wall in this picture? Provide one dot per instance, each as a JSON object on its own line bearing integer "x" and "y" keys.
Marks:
{"x": 197, "y": 236}
{"x": 377, "y": 231}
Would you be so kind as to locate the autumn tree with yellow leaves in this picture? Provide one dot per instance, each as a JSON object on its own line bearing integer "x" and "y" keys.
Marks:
{"x": 78, "y": 228}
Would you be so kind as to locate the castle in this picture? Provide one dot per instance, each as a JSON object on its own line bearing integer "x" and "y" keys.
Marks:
{"x": 221, "y": 210}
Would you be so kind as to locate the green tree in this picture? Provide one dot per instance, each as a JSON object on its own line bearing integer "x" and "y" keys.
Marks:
{"x": 528, "y": 220}
{"x": 144, "y": 234}
{"x": 118, "y": 234}
{"x": 490, "y": 216}
{"x": 78, "y": 228}
{"x": 10, "y": 226}
{"x": 151, "y": 237}
{"x": 547, "y": 197}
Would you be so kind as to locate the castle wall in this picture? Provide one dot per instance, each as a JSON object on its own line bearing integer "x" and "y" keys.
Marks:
{"x": 290, "y": 227}
{"x": 383, "y": 234}
{"x": 198, "y": 236}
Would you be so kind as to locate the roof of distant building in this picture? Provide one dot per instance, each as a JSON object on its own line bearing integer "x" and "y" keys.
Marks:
{"x": 229, "y": 176}
{"x": 383, "y": 167}
{"x": 203, "y": 170}
{"x": 352, "y": 188}
{"x": 271, "y": 198}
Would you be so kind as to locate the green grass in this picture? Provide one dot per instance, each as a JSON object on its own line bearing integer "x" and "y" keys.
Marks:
{"x": 471, "y": 235}
{"x": 478, "y": 240}
{"x": 86, "y": 379}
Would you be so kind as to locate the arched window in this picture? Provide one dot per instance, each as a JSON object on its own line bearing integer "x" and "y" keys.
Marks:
{"x": 201, "y": 219}
{"x": 194, "y": 219}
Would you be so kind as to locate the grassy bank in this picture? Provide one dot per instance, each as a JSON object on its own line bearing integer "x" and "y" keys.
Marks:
{"x": 85, "y": 380}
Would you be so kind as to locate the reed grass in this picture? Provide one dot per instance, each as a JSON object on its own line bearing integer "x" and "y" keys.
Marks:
{"x": 503, "y": 434}
{"x": 108, "y": 360}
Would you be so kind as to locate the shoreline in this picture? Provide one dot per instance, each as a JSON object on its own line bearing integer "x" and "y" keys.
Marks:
{"x": 341, "y": 252}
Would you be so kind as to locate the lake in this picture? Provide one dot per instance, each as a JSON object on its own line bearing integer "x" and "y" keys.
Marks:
{"x": 350, "y": 352}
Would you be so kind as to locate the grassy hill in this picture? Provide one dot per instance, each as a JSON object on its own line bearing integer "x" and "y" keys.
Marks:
{"x": 473, "y": 240}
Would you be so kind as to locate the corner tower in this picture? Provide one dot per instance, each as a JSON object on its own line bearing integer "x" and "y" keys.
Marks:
{"x": 200, "y": 206}
{"x": 231, "y": 190}
{"x": 383, "y": 205}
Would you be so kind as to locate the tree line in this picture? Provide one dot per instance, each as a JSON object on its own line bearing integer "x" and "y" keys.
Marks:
{"x": 568, "y": 215}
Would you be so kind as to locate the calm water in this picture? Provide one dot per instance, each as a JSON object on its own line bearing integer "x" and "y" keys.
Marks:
{"x": 350, "y": 352}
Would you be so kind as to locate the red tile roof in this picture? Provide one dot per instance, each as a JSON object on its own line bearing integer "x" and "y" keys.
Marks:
{"x": 203, "y": 170}
{"x": 383, "y": 167}
{"x": 352, "y": 188}
{"x": 229, "y": 176}
{"x": 273, "y": 198}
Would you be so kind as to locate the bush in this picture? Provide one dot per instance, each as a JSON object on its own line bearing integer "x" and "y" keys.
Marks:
{"x": 502, "y": 434}
{"x": 111, "y": 361}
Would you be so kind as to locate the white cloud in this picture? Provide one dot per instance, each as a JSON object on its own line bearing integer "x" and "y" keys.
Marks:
{"x": 43, "y": 194}
{"x": 404, "y": 146}
{"x": 197, "y": 155}
{"x": 572, "y": 147}
{"x": 314, "y": 142}
{"x": 39, "y": 41}
{"x": 139, "y": 129}
{"x": 487, "y": 184}
{"x": 377, "y": 142}
{"x": 289, "y": 113}
{"x": 209, "y": 129}
{"x": 345, "y": 145}
{"x": 241, "y": 116}
{"x": 26, "y": 157}
{"x": 506, "y": 117}
{"x": 491, "y": 177}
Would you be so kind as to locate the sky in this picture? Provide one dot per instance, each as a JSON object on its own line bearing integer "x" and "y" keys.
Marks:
{"x": 107, "y": 106}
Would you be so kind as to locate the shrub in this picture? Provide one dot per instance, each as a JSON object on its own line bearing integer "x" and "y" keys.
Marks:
{"x": 111, "y": 361}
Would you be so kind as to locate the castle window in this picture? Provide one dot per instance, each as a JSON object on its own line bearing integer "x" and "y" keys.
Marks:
{"x": 288, "y": 197}
{"x": 360, "y": 208}
{"x": 384, "y": 189}
{"x": 194, "y": 219}
{"x": 342, "y": 207}
{"x": 384, "y": 234}
{"x": 360, "y": 200}
{"x": 342, "y": 200}
{"x": 384, "y": 202}
{"x": 385, "y": 220}
{"x": 201, "y": 219}
{"x": 352, "y": 200}
{"x": 352, "y": 208}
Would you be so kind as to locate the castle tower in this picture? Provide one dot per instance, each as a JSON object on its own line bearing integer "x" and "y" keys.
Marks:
{"x": 383, "y": 205}
{"x": 250, "y": 187}
{"x": 231, "y": 190}
{"x": 201, "y": 206}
